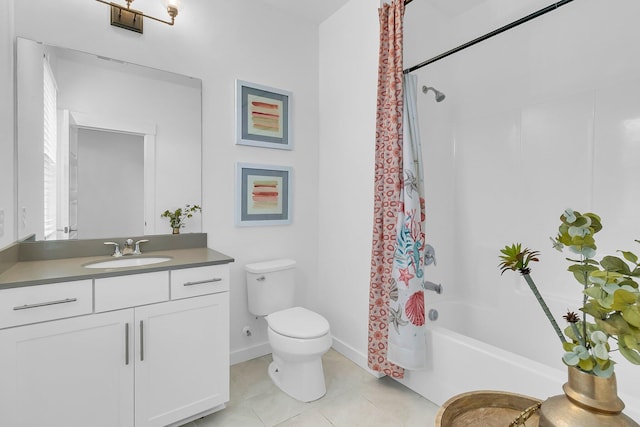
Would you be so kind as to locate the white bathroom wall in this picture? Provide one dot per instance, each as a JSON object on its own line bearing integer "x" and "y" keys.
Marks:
{"x": 217, "y": 41}
{"x": 7, "y": 181}
{"x": 348, "y": 82}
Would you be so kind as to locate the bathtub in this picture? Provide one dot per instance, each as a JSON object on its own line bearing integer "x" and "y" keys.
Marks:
{"x": 465, "y": 354}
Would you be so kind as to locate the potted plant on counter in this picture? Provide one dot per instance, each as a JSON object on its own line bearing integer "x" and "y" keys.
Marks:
{"x": 610, "y": 311}
{"x": 178, "y": 217}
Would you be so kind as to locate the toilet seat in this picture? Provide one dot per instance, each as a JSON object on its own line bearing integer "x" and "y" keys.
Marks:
{"x": 298, "y": 322}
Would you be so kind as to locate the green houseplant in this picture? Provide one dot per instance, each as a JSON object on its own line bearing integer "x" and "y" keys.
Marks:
{"x": 178, "y": 217}
{"x": 610, "y": 296}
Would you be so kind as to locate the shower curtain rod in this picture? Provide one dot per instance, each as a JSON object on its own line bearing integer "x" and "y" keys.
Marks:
{"x": 488, "y": 35}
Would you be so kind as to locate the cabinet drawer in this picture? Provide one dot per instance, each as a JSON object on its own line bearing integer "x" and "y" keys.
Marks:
{"x": 112, "y": 293}
{"x": 31, "y": 304}
{"x": 191, "y": 282}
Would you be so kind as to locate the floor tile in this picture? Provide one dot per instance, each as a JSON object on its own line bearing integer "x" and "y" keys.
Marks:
{"x": 403, "y": 404}
{"x": 274, "y": 407}
{"x": 354, "y": 398}
{"x": 250, "y": 379}
{"x": 309, "y": 418}
{"x": 353, "y": 410}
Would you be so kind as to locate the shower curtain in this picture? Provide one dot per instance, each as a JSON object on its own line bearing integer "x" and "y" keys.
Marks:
{"x": 388, "y": 184}
{"x": 406, "y": 345}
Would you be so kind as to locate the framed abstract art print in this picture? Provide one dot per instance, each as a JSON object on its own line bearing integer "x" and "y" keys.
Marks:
{"x": 263, "y": 116}
{"x": 263, "y": 194}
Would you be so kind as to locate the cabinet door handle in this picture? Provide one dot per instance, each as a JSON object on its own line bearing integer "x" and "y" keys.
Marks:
{"x": 201, "y": 282}
{"x": 44, "y": 304}
{"x": 126, "y": 343}
{"x": 141, "y": 341}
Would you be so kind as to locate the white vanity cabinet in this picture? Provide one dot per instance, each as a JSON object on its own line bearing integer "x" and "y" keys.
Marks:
{"x": 182, "y": 359}
{"x": 152, "y": 360}
{"x": 69, "y": 372}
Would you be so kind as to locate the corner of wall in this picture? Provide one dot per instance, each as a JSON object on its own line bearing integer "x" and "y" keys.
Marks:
{"x": 348, "y": 89}
{"x": 7, "y": 131}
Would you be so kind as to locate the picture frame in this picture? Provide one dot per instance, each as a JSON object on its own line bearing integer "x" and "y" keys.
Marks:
{"x": 263, "y": 194}
{"x": 263, "y": 116}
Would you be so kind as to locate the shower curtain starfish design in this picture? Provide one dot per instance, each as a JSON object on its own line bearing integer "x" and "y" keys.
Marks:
{"x": 406, "y": 346}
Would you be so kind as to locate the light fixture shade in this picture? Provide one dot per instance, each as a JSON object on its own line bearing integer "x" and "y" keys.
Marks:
{"x": 176, "y": 4}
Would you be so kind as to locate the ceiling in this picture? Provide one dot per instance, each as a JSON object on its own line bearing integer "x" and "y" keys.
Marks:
{"x": 453, "y": 8}
{"x": 319, "y": 10}
{"x": 315, "y": 10}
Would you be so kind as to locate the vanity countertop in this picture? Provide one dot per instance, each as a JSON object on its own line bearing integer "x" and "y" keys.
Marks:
{"x": 38, "y": 272}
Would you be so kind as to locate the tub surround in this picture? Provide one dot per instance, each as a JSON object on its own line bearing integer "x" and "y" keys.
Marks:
{"x": 41, "y": 262}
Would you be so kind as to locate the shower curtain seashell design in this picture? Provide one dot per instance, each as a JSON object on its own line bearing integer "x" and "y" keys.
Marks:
{"x": 406, "y": 346}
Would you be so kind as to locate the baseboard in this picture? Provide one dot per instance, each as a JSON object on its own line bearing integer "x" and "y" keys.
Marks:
{"x": 249, "y": 353}
{"x": 354, "y": 355}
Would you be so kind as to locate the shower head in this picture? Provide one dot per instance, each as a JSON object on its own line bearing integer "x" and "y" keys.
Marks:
{"x": 439, "y": 95}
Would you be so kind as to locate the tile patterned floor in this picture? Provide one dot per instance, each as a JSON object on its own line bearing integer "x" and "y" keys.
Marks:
{"x": 354, "y": 398}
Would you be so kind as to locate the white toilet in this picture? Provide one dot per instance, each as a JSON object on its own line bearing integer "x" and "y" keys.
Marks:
{"x": 298, "y": 337}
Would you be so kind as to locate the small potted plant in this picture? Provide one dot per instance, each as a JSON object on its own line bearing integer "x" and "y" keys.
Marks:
{"x": 178, "y": 217}
{"x": 610, "y": 297}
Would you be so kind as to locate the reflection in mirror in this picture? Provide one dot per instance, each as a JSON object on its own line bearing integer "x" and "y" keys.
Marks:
{"x": 103, "y": 146}
{"x": 100, "y": 154}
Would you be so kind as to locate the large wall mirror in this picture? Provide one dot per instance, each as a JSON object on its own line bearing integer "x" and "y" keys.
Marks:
{"x": 104, "y": 146}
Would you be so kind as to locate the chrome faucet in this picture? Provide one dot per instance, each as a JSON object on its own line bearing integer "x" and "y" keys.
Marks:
{"x": 116, "y": 249}
{"x": 128, "y": 248}
{"x": 429, "y": 255}
{"x": 137, "y": 251}
{"x": 430, "y": 286}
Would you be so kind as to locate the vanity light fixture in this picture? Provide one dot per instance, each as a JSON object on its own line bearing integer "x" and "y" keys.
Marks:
{"x": 131, "y": 19}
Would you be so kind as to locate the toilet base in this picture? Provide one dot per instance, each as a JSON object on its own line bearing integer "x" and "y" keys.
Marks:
{"x": 304, "y": 381}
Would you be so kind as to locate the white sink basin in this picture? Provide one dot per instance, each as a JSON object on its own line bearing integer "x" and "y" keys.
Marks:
{"x": 127, "y": 262}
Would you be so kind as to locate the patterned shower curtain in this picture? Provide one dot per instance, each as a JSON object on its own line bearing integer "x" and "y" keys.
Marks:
{"x": 388, "y": 185}
{"x": 406, "y": 345}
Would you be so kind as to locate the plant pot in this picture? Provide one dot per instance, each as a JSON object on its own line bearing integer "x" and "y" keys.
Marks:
{"x": 588, "y": 401}
{"x": 176, "y": 230}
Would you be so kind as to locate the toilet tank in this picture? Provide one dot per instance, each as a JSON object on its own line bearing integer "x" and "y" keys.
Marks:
{"x": 270, "y": 286}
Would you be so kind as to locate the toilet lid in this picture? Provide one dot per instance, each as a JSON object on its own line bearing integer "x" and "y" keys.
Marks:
{"x": 298, "y": 322}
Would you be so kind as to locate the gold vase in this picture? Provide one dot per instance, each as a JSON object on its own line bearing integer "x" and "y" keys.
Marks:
{"x": 176, "y": 230}
{"x": 588, "y": 401}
